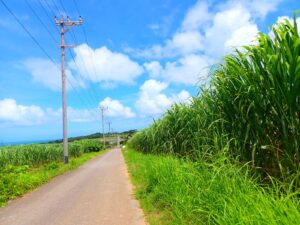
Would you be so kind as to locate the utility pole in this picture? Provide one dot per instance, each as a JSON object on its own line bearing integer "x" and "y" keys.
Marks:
{"x": 118, "y": 141}
{"x": 102, "y": 108}
{"x": 109, "y": 123}
{"x": 65, "y": 26}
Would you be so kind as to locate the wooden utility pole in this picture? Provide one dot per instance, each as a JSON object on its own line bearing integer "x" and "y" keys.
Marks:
{"x": 65, "y": 25}
{"x": 102, "y": 108}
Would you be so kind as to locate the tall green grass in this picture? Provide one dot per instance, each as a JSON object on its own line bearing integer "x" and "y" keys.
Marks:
{"x": 176, "y": 191}
{"x": 25, "y": 167}
{"x": 39, "y": 154}
{"x": 250, "y": 108}
{"x": 18, "y": 180}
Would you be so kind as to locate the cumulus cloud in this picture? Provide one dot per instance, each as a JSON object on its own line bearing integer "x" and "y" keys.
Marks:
{"x": 47, "y": 73}
{"x": 211, "y": 34}
{"x": 102, "y": 65}
{"x": 116, "y": 109}
{"x": 281, "y": 19}
{"x": 187, "y": 70}
{"x": 260, "y": 8}
{"x": 18, "y": 114}
{"x": 82, "y": 115}
{"x": 28, "y": 115}
{"x": 206, "y": 34}
{"x": 90, "y": 65}
{"x": 197, "y": 16}
{"x": 152, "y": 100}
{"x": 226, "y": 29}
{"x": 74, "y": 115}
{"x": 153, "y": 68}
{"x": 182, "y": 43}
{"x": 12, "y": 112}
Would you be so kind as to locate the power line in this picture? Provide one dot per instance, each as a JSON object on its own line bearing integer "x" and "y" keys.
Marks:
{"x": 39, "y": 19}
{"x": 75, "y": 63}
{"x": 27, "y": 31}
{"x": 39, "y": 45}
{"x": 57, "y": 9}
{"x": 65, "y": 25}
{"x": 69, "y": 81}
{"x": 47, "y": 14}
{"x": 85, "y": 66}
{"x": 53, "y": 38}
{"x": 86, "y": 40}
{"x": 49, "y": 7}
{"x": 62, "y": 5}
{"x": 35, "y": 41}
{"x": 76, "y": 6}
{"x": 94, "y": 95}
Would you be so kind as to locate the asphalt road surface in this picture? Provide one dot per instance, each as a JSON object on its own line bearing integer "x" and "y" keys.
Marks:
{"x": 99, "y": 192}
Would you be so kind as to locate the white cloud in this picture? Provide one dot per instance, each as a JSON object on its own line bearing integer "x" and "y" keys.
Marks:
{"x": 260, "y": 8}
{"x": 185, "y": 43}
{"x": 152, "y": 100}
{"x": 45, "y": 72}
{"x": 82, "y": 115}
{"x": 153, "y": 68}
{"x": 203, "y": 38}
{"x": 12, "y": 112}
{"x": 197, "y": 16}
{"x": 98, "y": 65}
{"x": 74, "y": 115}
{"x": 212, "y": 34}
{"x": 182, "y": 43}
{"x": 182, "y": 97}
{"x": 226, "y": 29}
{"x": 116, "y": 109}
{"x": 242, "y": 36}
{"x": 187, "y": 70}
{"x": 282, "y": 19}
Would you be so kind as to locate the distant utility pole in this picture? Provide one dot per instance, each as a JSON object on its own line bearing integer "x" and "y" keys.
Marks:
{"x": 102, "y": 108}
{"x": 109, "y": 123}
{"x": 65, "y": 26}
{"x": 118, "y": 141}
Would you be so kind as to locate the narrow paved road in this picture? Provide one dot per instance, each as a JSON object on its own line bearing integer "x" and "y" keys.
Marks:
{"x": 98, "y": 192}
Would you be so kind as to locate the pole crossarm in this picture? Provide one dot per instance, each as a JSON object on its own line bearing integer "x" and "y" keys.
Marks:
{"x": 68, "y": 23}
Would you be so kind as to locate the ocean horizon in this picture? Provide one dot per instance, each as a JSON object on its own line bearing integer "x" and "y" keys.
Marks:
{"x": 12, "y": 143}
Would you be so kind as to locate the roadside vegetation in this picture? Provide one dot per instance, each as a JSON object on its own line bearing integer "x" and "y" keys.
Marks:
{"x": 176, "y": 191}
{"x": 23, "y": 168}
{"x": 240, "y": 138}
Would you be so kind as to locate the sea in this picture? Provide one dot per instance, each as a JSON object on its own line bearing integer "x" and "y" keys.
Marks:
{"x": 23, "y": 142}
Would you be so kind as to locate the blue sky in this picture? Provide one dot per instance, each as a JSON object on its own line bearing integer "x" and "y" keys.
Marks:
{"x": 137, "y": 58}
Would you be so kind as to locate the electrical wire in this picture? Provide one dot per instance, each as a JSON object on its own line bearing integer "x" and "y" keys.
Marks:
{"x": 87, "y": 42}
{"x": 47, "y": 14}
{"x": 68, "y": 80}
{"x": 41, "y": 22}
{"x": 34, "y": 39}
{"x": 28, "y": 32}
{"x": 94, "y": 95}
{"x": 89, "y": 98}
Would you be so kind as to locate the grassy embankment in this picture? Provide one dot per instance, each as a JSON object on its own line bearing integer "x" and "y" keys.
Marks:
{"x": 23, "y": 168}
{"x": 240, "y": 137}
{"x": 176, "y": 191}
